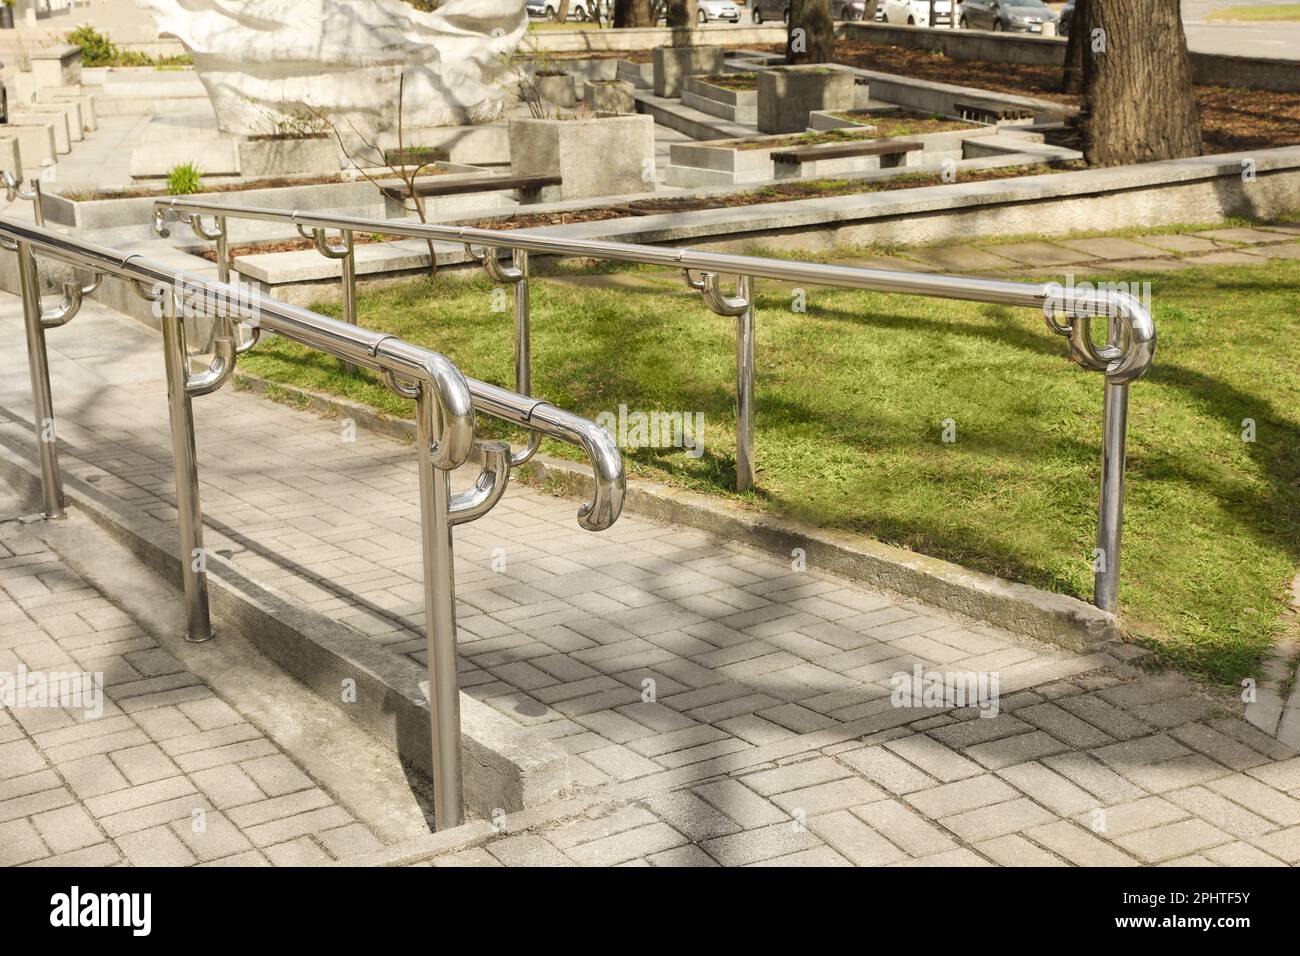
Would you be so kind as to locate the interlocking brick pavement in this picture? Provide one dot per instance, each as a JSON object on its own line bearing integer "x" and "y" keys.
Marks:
{"x": 159, "y": 785}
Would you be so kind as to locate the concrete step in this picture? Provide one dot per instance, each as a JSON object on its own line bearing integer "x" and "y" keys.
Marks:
{"x": 694, "y": 123}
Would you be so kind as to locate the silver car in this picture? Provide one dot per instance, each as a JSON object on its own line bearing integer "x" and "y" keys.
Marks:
{"x": 709, "y": 10}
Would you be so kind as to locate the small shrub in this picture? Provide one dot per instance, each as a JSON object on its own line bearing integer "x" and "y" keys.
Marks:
{"x": 184, "y": 179}
{"x": 96, "y": 48}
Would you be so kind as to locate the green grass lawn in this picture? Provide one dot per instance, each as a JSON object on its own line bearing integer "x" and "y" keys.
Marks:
{"x": 850, "y": 402}
{"x": 1256, "y": 13}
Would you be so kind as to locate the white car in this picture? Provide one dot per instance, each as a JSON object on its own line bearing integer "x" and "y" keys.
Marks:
{"x": 917, "y": 12}
{"x": 578, "y": 9}
{"x": 708, "y": 10}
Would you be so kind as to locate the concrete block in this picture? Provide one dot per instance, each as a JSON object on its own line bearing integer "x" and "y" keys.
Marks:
{"x": 610, "y": 96}
{"x": 271, "y": 156}
{"x": 58, "y": 65}
{"x": 11, "y": 154}
{"x": 35, "y": 138}
{"x": 85, "y": 101}
{"x": 57, "y": 121}
{"x": 738, "y": 106}
{"x": 672, "y": 64}
{"x": 603, "y": 156}
{"x": 557, "y": 89}
{"x": 786, "y": 95}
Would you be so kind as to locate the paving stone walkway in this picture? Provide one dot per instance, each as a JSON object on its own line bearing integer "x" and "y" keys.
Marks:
{"x": 166, "y": 774}
{"x": 767, "y": 733}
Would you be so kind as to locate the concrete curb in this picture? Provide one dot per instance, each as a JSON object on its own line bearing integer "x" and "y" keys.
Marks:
{"x": 506, "y": 767}
{"x": 1042, "y": 615}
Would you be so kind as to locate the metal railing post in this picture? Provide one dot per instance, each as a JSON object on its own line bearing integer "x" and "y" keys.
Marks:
{"x": 1110, "y": 513}
{"x": 223, "y": 250}
{"x": 440, "y": 619}
{"x": 42, "y": 400}
{"x": 523, "y": 346}
{"x": 349, "y": 278}
{"x": 745, "y": 386}
{"x": 189, "y": 511}
{"x": 523, "y": 329}
{"x": 38, "y": 209}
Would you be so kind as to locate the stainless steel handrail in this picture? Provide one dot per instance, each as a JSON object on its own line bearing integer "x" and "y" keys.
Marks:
{"x": 1125, "y": 357}
{"x": 13, "y": 183}
{"x": 446, "y": 403}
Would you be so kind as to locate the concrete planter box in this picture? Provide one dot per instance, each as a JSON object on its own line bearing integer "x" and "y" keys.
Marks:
{"x": 861, "y": 92}
{"x": 610, "y": 96}
{"x": 602, "y": 156}
{"x": 582, "y": 70}
{"x": 787, "y": 95}
{"x": 640, "y": 75}
{"x": 723, "y": 162}
{"x": 558, "y": 91}
{"x": 271, "y": 156}
{"x": 35, "y": 141}
{"x": 11, "y": 155}
{"x": 84, "y": 101}
{"x": 673, "y": 64}
{"x": 135, "y": 213}
{"x": 738, "y": 106}
{"x": 947, "y": 144}
{"x": 57, "y": 121}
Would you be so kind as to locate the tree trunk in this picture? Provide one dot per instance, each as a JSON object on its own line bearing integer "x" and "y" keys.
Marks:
{"x": 811, "y": 36}
{"x": 562, "y": 11}
{"x": 633, "y": 13}
{"x": 869, "y": 14}
{"x": 1139, "y": 102}
{"x": 1072, "y": 80}
{"x": 681, "y": 14}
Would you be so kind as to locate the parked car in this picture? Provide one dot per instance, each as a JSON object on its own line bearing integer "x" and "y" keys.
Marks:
{"x": 848, "y": 9}
{"x": 1017, "y": 16}
{"x": 578, "y": 9}
{"x": 707, "y": 10}
{"x": 917, "y": 12}
{"x": 1065, "y": 20}
{"x": 764, "y": 10}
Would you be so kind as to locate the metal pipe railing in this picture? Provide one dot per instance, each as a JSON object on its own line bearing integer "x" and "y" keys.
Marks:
{"x": 446, "y": 403}
{"x": 1125, "y": 357}
{"x": 13, "y": 183}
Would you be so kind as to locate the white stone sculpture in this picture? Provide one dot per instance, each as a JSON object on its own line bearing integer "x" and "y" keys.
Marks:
{"x": 270, "y": 65}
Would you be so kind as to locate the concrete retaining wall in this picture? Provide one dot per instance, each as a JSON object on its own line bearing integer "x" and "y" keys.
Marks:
{"x": 645, "y": 38}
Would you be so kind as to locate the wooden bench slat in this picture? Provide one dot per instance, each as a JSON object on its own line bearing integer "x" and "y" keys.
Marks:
{"x": 808, "y": 154}
{"x": 433, "y": 187}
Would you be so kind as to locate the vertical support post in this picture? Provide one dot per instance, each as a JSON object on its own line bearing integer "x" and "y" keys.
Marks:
{"x": 349, "y": 287}
{"x": 440, "y": 620}
{"x": 349, "y": 279}
{"x": 223, "y": 250}
{"x": 39, "y": 366}
{"x": 1110, "y": 514}
{"x": 523, "y": 328}
{"x": 38, "y": 210}
{"x": 745, "y": 386}
{"x": 189, "y": 511}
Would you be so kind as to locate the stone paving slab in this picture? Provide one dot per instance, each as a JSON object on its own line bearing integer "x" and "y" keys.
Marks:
{"x": 160, "y": 771}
